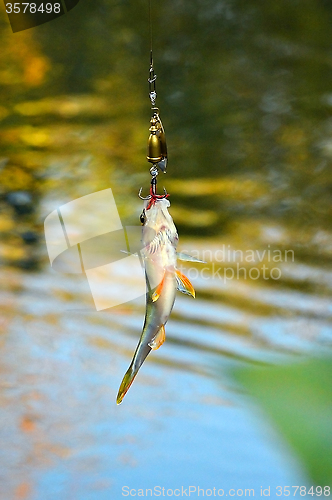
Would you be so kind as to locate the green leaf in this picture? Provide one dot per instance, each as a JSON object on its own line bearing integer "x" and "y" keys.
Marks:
{"x": 298, "y": 398}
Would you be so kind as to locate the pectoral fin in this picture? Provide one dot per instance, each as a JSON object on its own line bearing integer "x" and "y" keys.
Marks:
{"x": 129, "y": 253}
{"x": 184, "y": 284}
{"x": 157, "y": 292}
{"x": 188, "y": 258}
{"x": 159, "y": 339}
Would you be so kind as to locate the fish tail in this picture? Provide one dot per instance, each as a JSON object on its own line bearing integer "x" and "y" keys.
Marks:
{"x": 127, "y": 380}
{"x": 138, "y": 359}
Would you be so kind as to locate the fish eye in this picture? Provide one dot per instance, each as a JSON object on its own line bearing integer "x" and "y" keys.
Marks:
{"x": 142, "y": 218}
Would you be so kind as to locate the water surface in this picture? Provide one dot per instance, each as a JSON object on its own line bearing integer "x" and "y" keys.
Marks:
{"x": 244, "y": 91}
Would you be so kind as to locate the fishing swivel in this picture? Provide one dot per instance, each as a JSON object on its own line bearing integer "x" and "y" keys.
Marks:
{"x": 152, "y": 82}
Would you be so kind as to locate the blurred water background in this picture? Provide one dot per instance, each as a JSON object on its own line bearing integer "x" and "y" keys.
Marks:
{"x": 245, "y": 93}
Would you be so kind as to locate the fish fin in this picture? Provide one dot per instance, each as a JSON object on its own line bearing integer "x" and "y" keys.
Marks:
{"x": 129, "y": 253}
{"x": 139, "y": 357}
{"x": 157, "y": 292}
{"x": 188, "y": 258}
{"x": 127, "y": 380}
{"x": 159, "y": 339}
{"x": 184, "y": 284}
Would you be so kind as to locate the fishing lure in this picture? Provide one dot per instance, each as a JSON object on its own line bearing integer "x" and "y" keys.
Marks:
{"x": 159, "y": 239}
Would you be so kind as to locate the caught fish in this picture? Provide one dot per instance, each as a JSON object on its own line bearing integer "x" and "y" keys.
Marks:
{"x": 159, "y": 239}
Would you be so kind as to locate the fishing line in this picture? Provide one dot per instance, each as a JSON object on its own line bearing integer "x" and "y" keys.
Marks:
{"x": 150, "y": 24}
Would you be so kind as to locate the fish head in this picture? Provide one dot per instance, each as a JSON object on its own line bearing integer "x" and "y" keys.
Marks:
{"x": 157, "y": 220}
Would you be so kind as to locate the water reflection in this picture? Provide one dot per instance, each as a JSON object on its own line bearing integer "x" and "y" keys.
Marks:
{"x": 245, "y": 92}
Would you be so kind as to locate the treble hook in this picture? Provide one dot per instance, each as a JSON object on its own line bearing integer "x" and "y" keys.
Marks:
{"x": 142, "y": 197}
{"x": 149, "y": 196}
